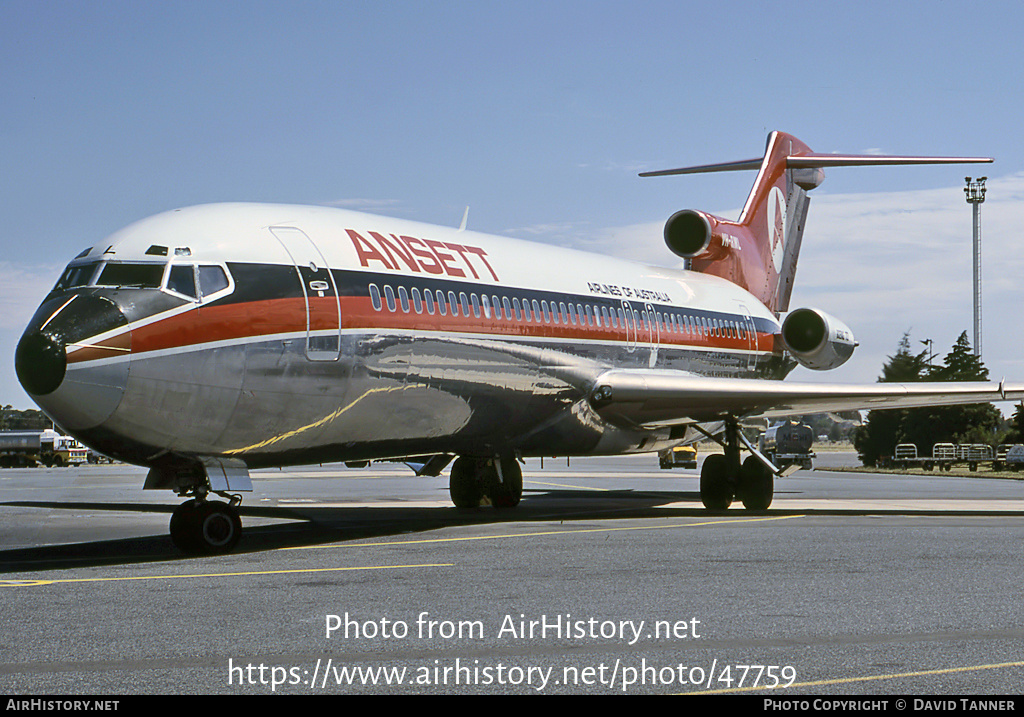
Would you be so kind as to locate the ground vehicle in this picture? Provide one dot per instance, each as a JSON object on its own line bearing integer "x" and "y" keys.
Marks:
{"x": 1009, "y": 456}
{"x": 1014, "y": 457}
{"x": 788, "y": 443}
{"x": 945, "y": 455}
{"x": 97, "y": 457}
{"x": 678, "y": 457}
{"x": 47, "y": 447}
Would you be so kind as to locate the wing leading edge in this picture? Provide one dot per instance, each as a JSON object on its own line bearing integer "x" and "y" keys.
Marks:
{"x": 651, "y": 398}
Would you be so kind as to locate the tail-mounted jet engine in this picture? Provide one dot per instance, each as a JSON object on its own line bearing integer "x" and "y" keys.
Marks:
{"x": 816, "y": 340}
{"x": 689, "y": 233}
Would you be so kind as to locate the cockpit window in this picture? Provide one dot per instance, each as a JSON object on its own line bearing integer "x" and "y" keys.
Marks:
{"x": 76, "y": 275}
{"x": 146, "y": 276}
{"x": 212, "y": 279}
{"x": 196, "y": 281}
{"x": 182, "y": 279}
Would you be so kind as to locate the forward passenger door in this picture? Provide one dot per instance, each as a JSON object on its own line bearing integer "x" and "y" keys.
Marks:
{"x": 319, "y": 291}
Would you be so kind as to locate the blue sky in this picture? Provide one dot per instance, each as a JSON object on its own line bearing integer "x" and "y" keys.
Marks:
{"x": 538, "y": 115}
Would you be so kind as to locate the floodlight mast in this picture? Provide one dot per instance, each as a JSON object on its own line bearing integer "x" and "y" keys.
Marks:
{"x": 975, "y": 191}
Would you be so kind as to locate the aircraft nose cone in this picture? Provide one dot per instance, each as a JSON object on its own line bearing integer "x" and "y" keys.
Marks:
{"x": 40, "y": 361}
{"x": 74, "y": 358}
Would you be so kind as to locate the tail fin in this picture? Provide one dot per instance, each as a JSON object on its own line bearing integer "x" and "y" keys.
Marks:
{"x": 759, "y": 251}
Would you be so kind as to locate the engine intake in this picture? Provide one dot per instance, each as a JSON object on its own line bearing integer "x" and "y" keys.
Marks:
{"x": 816, "y": 340}
{"x": 688, "y": 233}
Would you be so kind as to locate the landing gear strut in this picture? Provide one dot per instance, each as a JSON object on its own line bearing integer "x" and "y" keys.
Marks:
{"x": 723, "y": 478}
{"x": 204, "y": 527}
{"x": 500, "y": 480}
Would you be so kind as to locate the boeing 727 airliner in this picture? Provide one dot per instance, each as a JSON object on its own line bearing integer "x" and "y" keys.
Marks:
{"x": 208, "y": 341}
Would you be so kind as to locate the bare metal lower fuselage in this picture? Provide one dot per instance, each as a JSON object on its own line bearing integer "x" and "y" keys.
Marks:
{"x": 280, "y": 360}
{"x": 264, "y": 402}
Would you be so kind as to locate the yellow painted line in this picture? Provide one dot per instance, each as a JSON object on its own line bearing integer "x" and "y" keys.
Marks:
{"x": 27, "y": 582}
{"x": 566, "y": 485}
{"x": 32, "y": 583}
{"x": 869, "y": 678}
{"x": 542, "y": 533}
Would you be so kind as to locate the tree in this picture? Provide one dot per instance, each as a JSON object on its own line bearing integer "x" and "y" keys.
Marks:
{"x": 1016, "y": 434}
{"x": 12, "y": 419}
{"x": 924, "y": 427}
{"x": 960, "y": 364}
{"x": 975, "y": 423}
{"x": 904, "y": 366}
{"x": 879, "y": 435}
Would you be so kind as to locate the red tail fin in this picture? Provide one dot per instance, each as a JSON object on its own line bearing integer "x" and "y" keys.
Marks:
{"x": 759, "y": 251}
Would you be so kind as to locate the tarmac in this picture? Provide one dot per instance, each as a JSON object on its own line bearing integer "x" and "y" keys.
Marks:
{"x": 609, "y": 578}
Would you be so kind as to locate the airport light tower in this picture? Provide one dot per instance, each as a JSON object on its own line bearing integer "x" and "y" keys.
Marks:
{"x": 975, "y": 191}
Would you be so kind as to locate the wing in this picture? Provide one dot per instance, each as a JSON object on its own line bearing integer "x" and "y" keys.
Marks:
{"x": 650, "y": 398}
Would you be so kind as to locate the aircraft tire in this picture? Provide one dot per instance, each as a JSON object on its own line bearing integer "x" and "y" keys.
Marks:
{"x": 218, "y": 526}
{"x": 756, "y": 485}
{"x": 182, "y": 530}
{"x": 205, "y": 528}
{"x": 715, "y": 491}
{"x": 510, "y": 492}
{"x": 464, "y": 484}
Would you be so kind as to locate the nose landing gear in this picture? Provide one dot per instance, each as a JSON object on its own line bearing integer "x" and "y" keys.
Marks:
{"x": 206, "y": 527}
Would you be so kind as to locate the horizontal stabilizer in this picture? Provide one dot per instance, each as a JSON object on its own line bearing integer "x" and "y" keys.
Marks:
{"x": 759, "y": 251}
{"x": 817, "y": 161}
{"x": 808, "y": 161}
{"x": 705, "y": 168}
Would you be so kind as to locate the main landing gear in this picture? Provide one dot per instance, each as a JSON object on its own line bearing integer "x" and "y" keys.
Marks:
{"x": 723, "y": 477}
{"x": 204, "y": 527}
{"x": 499, "y": 480}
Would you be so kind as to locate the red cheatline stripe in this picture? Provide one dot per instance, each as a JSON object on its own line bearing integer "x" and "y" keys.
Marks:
{"x": 227, "y": 322}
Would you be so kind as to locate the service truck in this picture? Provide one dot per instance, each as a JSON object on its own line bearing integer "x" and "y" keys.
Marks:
{"x": 21, "y": 449}
{"x": 788, "y": 443}
{"x": 678, "y": 457}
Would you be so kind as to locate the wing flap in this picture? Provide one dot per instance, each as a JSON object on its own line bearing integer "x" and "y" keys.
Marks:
{"x": 650, "y": 398}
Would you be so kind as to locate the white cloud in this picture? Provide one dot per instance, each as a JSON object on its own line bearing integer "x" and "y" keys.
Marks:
{"x": 886, "y": 263}
{"x": 552, "y": 232}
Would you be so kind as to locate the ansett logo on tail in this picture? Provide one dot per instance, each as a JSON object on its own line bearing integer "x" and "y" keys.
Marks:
{"x": 777, "y": 226}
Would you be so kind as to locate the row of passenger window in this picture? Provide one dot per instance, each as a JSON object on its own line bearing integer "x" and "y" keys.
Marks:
{"x": 542, "y": 311}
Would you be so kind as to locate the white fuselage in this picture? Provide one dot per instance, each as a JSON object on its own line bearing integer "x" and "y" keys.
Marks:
{"x": 277, "y": 334}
